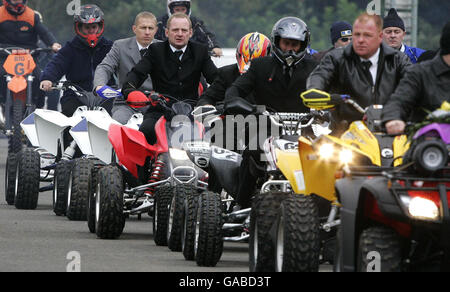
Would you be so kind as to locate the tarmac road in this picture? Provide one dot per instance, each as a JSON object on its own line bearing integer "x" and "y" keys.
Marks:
{"x": 38, "y": 240}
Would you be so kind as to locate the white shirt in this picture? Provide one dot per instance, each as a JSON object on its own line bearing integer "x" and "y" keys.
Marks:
{"x": 141, "y": 47}
{"x": 374, "y": 68}
{"x": 403, "y": 48}
{"x": 182, "y": 49}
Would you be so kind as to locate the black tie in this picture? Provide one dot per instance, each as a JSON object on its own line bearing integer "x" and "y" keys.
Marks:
{"x": 366, "y": 65}
{"x": 143, "y": 52}
{"x": 178, "y": 54}
{"x": 287, "y": 74}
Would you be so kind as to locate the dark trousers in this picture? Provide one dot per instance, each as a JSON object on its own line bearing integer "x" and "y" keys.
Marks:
{"x": 148, "y": 126}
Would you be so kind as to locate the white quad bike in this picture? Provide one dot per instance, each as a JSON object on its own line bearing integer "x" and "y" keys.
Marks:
{"x": 48, "y": 160}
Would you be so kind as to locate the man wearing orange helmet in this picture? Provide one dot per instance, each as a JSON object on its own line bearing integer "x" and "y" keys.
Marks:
{"x": 251, "y": 46}
{"x": 20, "y": 26}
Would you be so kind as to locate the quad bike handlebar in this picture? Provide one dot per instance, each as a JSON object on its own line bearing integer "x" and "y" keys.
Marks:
{"x": 23, "y": 51}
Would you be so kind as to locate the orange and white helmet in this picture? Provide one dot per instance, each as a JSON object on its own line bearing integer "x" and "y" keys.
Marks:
{"x": 251, "y": 46}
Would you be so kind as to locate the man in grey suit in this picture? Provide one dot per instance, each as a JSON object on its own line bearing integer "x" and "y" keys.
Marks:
{"x": 124, "y": 55}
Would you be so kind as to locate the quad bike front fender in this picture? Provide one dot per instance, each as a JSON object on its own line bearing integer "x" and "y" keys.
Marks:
{"x": 29, "y": 128}
{"x": 290, "y": 165}
{"x": 389, "y": 207}
{"x": 319, "y": 174}
{"x": 50, "y": 126}
{"x": 348, "y": 190}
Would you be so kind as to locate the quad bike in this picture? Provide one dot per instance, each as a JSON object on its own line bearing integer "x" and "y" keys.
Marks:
{"x": 348, "y": 164}
{"x": 19, "y": 66}
{"x": 152, "y": 179}
{"x": 213, "y": 218}
{"x": 49, "y": 160}
{"x": 403, "y": 217}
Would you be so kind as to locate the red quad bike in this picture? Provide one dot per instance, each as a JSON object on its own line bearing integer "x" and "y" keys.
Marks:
{"x": 401, "y": 220}
{"x": 152, "y": 179}
{"x": 19, "y": 66}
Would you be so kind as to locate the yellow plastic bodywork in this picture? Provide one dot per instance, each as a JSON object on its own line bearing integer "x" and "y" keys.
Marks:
{"x": 288, "y": 162}
{"x": 319, "y": 175}
{"x": 400, "y": 146}
{"x": 359, "y": 136}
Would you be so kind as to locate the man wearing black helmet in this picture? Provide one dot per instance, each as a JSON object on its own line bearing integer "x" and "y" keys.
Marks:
{"x": 276, "y": 82}
{"x": 20, "y": 26}
{"x": 200, "y": 33}
{"x": 78, "y": 59}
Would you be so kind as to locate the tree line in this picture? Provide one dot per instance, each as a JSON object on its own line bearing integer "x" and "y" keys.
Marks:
{"x": 231, "y": 19}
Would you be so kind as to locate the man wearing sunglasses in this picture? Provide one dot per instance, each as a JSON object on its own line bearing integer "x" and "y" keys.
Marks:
{"x": 341, "y": 33}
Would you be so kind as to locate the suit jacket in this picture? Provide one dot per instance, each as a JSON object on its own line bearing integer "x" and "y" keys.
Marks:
{"x": 226, "y": 75}
{"x": 124, "y": 55}
{"x": 171, "y": 76}
{"x": 270, "y": 88}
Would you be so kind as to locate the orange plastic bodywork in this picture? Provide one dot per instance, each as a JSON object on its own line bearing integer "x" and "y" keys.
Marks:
{"x": 19, "y": 65}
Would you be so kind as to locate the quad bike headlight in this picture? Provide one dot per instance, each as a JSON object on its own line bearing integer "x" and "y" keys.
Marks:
{"x": 326, "y": 151}
{"x": 346, "y": 156}
{"x": 423, "y": 209}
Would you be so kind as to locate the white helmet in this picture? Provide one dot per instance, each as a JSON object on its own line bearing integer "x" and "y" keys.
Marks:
{"x": 172, "y": 3}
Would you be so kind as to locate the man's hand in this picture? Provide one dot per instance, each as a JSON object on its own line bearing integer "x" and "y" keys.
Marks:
{"x": 217, "y": 52}
{"x": 395, "y": 127}
{"x": 98, "y": 88}
{"x": 56, "y": 47}
{"x": 46, "y": 85}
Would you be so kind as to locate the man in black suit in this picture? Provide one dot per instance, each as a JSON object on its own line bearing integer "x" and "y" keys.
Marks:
{"x": 175, "y": 67}
{"x": 277, "y": 82}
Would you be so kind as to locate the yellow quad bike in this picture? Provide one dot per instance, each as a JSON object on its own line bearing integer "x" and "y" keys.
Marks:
{"x": 343, "y": 169}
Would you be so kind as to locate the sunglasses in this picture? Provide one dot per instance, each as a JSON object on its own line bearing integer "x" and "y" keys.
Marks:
{"x": 346, "y": 39}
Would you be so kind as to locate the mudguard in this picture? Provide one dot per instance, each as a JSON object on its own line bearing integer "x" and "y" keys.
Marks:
{"x": 319, "y": 174}
{"x": 290, "y": 165}
{"x": 225, "y": 165}
{"x": 348, "y": 190}
{"x": 91, "y": 134}
{"x": 50, "y": 126}
{"x": 441, "y": 129}
{"x": 378, "y": 188}
{"x": 29, "y": 128}
{"x": 131, "y": 147}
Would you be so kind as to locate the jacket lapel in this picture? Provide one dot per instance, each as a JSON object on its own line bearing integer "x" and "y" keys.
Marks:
{"x": 134, "y": 50}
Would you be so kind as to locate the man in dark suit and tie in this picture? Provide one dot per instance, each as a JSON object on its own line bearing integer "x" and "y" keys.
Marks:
{"x": 124, "y": 55}
{"x": 175, "y": 67}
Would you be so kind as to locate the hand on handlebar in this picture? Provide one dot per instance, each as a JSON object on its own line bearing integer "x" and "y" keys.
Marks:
{"x": 217, "y": 52}
{"x": 395, "y": 127}
{"x": 56, "y": 47}
{"x": 46, "y": 85}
